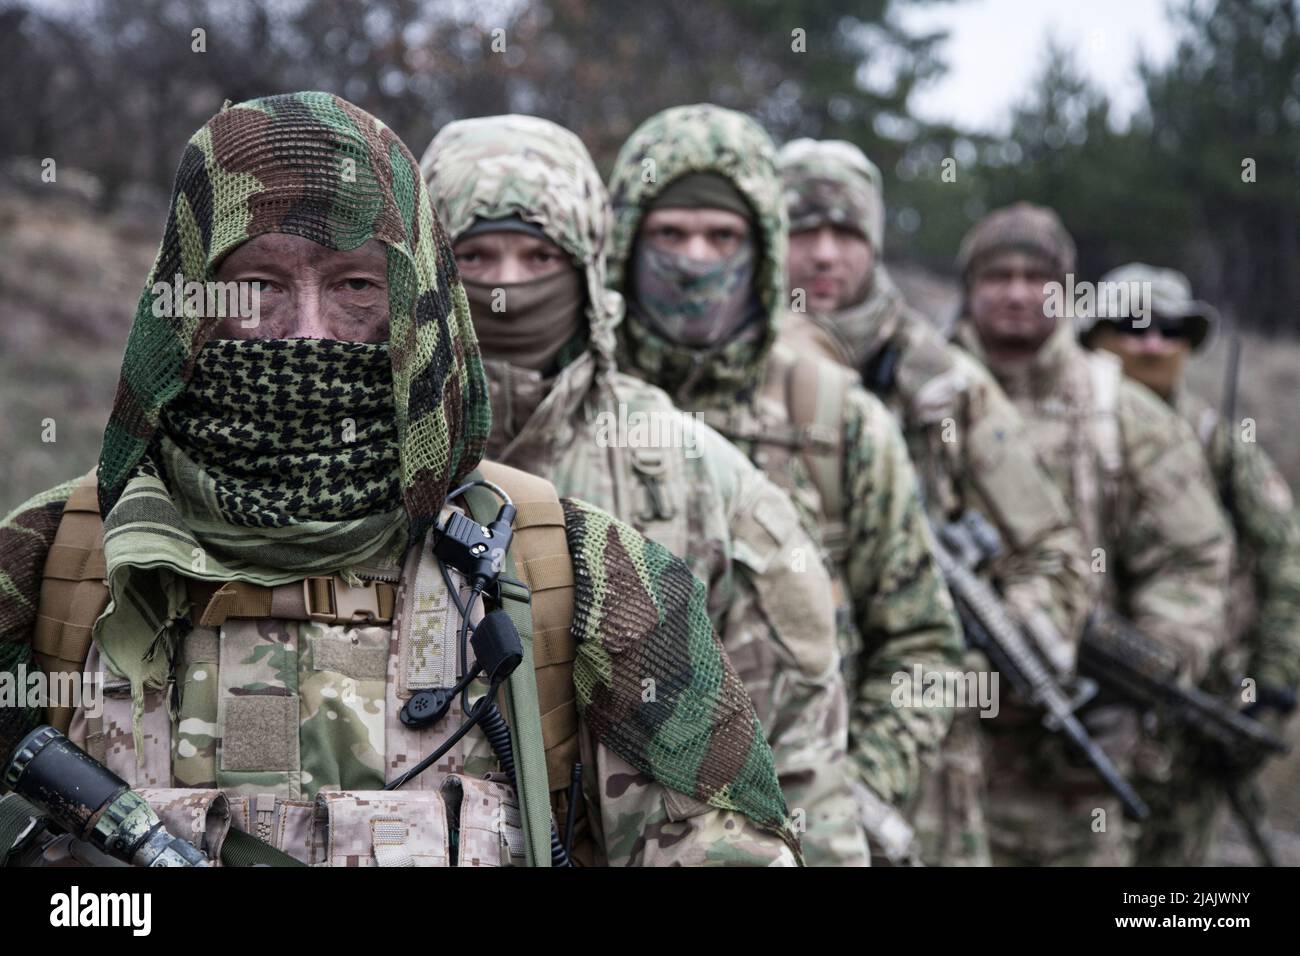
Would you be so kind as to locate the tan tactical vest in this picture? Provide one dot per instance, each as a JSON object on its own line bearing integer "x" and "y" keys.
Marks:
{"x": 338, "y": 828}
{"x": 797, "y": 425}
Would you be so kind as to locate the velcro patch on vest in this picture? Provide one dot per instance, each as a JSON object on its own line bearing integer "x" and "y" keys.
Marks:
{"x": 348, "y": 657}
{"x": 261, "y": 733}
{"x": 384, "y": 828}
{"x": 427, "y": 625}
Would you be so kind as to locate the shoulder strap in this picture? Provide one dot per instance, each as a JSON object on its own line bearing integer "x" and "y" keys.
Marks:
{"x": 1106, "y": 376}
{"x": 815, "y": 398}
{"x": 543, "y": 610}
{"x": 74, "y": 591}
{"x": 880, "y": 371}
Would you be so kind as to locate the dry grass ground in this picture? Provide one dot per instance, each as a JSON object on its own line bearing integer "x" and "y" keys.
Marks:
{"x": 69, "y": 282}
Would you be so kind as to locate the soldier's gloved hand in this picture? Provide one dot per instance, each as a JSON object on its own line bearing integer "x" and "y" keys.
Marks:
{"x": 889, "y": 835}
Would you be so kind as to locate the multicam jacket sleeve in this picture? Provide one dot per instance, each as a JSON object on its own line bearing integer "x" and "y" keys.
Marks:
{"x": 780, "y": 633}
{"x": 901, "y": 604}
{"x": 640, "y": 822}
{"x": 1176, "y": 545}
{"x": 1266, "y": 524}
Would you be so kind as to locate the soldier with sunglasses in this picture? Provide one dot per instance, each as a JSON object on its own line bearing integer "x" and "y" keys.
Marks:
{"x": 1260, "y": 665}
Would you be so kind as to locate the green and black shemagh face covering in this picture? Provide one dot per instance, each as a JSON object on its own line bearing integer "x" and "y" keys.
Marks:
{"x": 283, "y": 431}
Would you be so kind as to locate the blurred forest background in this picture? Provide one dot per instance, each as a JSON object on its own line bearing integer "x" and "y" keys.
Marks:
{"x": 114, "y": 87}
{"x": 1204, "y": 177}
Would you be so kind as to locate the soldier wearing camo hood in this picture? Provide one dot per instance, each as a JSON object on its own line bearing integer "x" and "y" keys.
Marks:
{"x": 699, "y": 253}
{"x": 1139, "y": 488}
{"x": 263, "y": 597}
{"x": 529, "y": 220}
{"x": 967, "y": 441}
{"x": 1264, "y": 607}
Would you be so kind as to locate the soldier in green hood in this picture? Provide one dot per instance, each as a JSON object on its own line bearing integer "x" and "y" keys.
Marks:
{"x": 699, "y": 254}
{"x": 529, "y": 220}
{"x": 263, "y": 599}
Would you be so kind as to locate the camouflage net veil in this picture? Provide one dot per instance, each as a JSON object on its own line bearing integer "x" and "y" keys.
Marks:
{"x": 639, "y": 614}
{"x": 312, "y": 165}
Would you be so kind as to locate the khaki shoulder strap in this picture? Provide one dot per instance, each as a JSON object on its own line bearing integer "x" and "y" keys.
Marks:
{"x": 74, "y": 591}
{"x": 1107, "y": 374}
{"x": 540, "y": 550}
{"x": 815, "y": 393}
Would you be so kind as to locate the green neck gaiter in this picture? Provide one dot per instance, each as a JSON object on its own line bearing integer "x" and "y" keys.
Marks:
{"x": 285, "y": 431}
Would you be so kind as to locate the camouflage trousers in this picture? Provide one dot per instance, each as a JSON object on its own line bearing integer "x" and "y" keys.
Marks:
{"x": 1187, "y": 800}
{"x": 949, "y": 816}
{"x": 1045, "y": 805}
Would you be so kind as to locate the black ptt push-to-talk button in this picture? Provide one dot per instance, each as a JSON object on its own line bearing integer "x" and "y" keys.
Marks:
{"x": 426, "y": 707}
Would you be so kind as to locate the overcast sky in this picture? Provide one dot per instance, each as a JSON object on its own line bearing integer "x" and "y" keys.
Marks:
{"x": 995, "y": 48}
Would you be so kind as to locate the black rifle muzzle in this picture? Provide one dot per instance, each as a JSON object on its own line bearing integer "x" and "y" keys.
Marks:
{"x": 92, "y": 803}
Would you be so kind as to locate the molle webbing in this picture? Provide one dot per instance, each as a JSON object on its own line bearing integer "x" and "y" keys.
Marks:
{"x": 815, "y": 397}
{"x": 74, "y": 594}
{"x": 812, "y": 392}
{"x": 74, "y": 591}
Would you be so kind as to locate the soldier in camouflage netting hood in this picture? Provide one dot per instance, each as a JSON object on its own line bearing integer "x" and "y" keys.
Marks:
{"x": 269, "y": 486}
{"x": 699, "y": 253}
{"x": 522, "y": 201}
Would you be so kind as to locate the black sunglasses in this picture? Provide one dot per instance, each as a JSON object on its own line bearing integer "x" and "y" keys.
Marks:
{"x": 1169, "y": 328}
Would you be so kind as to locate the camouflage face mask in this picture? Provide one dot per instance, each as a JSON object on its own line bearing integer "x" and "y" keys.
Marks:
{"x": 693, "y": 302}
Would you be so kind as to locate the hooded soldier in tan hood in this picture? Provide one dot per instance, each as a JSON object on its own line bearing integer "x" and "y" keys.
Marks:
{"x": 529, "y": 218}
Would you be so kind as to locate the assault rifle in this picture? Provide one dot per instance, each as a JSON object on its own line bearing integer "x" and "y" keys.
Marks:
{"x": 1137, "y": 668}
{"x": 961, "y": 548}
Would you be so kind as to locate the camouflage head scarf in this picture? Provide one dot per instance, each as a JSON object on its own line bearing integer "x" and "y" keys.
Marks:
{"x": 496, "y": 167}
{"x": 1021, "y": 226}
{"x": 316, "y": 166}
{"x": 831, "y": 181}
{"x": 677, "y": 141}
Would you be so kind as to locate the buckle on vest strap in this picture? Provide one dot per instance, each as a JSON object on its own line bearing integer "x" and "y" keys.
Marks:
{"x": 331, "y": 601}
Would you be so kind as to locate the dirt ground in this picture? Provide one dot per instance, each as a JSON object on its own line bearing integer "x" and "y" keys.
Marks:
{"x": 70, "y": 280}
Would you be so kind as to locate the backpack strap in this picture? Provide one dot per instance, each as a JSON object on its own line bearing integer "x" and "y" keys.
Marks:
{"x": 74, "y": 591}
{"x": 541, "y": 606}
{"x": 815, "y": 394}
{"x": 1106, "y": 375}
{"x": 1097, "y": 479}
